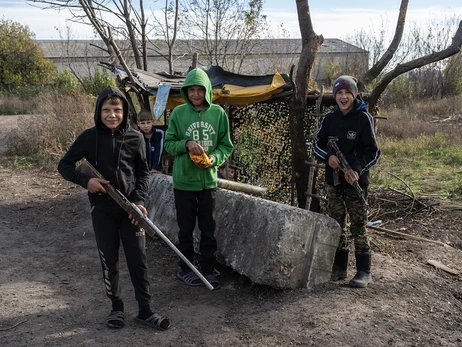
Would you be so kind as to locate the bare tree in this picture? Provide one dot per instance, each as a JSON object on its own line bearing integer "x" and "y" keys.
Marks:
{"x": 106, "y": 18}
{"x": 167, "y": 28}
{"x": 223, "y": 30}
{"x": 311, "y": 43}
{"x": 451, "y": 50}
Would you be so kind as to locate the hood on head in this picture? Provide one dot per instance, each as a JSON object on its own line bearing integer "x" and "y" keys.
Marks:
{"x": 103, "y": 95}
{"x": 197, "y": 77}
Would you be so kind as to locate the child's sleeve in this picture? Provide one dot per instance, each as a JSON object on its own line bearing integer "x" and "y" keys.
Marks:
{"x": 319, "y": 144}
{"x": 224, "y": 145}
{"x": 67, "y": 164}
{"x": 159, "y": 148}
{"x": 370, "y": 148}
{"x": 138, "y": 196}
{"x": 173, "y": 143}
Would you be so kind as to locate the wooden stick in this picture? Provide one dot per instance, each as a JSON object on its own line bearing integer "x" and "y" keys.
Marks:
{"x": 409, "y": 196}
{"x": 443, "y": 267}
{"x": 406, "y": 236}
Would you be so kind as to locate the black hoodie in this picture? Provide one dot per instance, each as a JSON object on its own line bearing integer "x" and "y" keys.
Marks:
{"x": 120, "y": 157}
{"x": 355, "y": 136}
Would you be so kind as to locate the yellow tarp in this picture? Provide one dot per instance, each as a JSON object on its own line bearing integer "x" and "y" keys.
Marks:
{"x": 238, "y": 96}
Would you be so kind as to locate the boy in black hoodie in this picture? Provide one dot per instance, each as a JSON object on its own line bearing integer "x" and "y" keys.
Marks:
{"x": 118, "y": 152}
{"x": 351, "y": 126}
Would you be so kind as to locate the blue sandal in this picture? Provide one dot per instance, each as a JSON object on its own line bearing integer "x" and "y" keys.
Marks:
{"x": 190, "y": 278}
{"x": 213, "y": 281}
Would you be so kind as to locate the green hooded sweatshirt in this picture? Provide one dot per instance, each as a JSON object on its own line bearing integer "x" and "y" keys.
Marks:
{"x": 209, "y": 127}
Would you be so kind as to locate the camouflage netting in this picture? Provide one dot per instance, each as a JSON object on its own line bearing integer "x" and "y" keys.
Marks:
{"x": 263, "y": 150}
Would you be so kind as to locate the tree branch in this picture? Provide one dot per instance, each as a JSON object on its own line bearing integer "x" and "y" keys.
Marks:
{"x": 375, "y": 70}
{"x": 453, "y": 49}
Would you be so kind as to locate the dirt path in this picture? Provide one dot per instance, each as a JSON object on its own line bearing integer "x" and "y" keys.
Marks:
{"x": 51, "y": 290}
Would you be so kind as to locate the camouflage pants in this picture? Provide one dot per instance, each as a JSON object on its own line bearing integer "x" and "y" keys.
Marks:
{"x": 343, "y": 204}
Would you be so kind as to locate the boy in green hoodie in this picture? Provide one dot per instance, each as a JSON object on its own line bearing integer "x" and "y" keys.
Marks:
{"x": 197, "y": 127}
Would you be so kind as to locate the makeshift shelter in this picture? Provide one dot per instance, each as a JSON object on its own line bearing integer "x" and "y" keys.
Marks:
{"x": 228, "y": 88}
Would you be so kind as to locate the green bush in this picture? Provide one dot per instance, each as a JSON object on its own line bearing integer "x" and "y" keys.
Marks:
{"x": 66, "y": 82}
{"x": 98, "y": 81}
{"x": 22, "y": 63}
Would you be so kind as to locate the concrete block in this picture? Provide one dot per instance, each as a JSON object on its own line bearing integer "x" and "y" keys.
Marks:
{"x": 270, "y": 243}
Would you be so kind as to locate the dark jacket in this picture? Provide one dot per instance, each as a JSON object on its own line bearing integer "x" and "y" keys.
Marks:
{"x": 355, "y": 137}
{"x": 120, "y": 157}
{"x": 154, "y": 149}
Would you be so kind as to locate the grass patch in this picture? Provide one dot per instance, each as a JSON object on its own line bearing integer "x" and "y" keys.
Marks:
{"x": 428, "y": 164}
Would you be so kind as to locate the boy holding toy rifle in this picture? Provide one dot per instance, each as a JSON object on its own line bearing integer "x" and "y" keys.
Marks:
{"x": 118, "y": 152}
{"x": 345, "y": 141}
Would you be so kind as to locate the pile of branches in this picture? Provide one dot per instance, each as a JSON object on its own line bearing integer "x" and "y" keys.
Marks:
{"x": 393, "y": 204}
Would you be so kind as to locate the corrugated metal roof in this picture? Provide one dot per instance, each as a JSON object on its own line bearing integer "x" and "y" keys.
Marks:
{"x": 89, "y": 48}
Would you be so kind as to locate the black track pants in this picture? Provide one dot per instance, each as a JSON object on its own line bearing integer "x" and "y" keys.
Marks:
{"x": 189, "y": 206}
{"x": 112, "y": 225}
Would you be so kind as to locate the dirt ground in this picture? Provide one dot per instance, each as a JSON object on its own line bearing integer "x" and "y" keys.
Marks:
{"x": 52, "y": 294}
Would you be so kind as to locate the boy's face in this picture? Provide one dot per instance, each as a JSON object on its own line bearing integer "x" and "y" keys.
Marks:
{"x": 112, "y": 114}
{"x": 344, "y": 101}
{"x": 145, "y": 125}
{"x": 196, "y": 94}
{"x": 227, "y": 174}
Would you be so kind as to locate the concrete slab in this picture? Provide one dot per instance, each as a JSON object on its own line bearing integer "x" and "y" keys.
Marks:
{"x": 270, "y": 243}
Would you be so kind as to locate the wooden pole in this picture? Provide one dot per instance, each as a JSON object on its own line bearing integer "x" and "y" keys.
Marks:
{"x": 406, "y": 236}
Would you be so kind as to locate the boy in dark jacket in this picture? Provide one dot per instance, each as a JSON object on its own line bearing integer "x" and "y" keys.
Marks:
{"x": 197, "y": 127}
{"x": 118, "y": 152}
{"x": 351, "y": 126}
{"x": 154, "y": 139}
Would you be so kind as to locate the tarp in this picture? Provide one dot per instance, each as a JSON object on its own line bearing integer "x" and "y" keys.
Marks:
{"x": 228, "y": 88}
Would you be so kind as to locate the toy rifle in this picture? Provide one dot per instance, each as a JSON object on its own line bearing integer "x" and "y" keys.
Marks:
{"x": 135, "y": 212}
{"x": 344, "y": 166}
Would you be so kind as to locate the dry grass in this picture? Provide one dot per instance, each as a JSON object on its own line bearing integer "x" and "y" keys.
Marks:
{"x": 48, "y": 134}
{"x": 10, "y": 105}
{"x": 427, "y": 117}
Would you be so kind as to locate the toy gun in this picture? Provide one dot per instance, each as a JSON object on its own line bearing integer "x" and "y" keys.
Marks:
{"x": 344, "y": 167}
{"x": 135, "y": 212}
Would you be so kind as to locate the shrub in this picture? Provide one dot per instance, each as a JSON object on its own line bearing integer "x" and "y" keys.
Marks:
{"x": 66, "y": 82}
{"x": 97, "y": 82}
{"x": 21, "y": 60}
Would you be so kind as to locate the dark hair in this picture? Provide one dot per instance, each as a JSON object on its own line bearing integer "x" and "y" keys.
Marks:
{"x": 144, "y": 115}
{"x": 113, "y": 99}
{"x": 230, "y": 164}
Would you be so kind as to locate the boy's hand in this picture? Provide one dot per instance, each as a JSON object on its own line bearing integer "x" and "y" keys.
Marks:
{"x": 194, "y": 148}
{"x": 205, "y": 166}
{"x": 143, "y": 211}
{"x": 95, "y": 185}
{"x": 334, "y": 163}
{"x": 351, "y": 176}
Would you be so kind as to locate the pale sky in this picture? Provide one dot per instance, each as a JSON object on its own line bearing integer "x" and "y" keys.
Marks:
{"x": 331, "y": 18}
